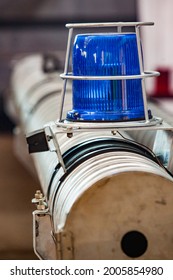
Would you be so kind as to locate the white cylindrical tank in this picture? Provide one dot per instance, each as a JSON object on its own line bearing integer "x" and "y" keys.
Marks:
{"x": 113, "y": 201}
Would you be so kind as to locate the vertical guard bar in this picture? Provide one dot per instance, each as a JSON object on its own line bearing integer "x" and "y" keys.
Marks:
{"x": 141, "y": 71}
{"x": 67, "y": 59}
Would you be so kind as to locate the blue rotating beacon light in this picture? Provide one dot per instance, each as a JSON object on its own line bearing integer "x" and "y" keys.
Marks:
{"x": 110, "y": 100}
{"x": 108, "y": 76}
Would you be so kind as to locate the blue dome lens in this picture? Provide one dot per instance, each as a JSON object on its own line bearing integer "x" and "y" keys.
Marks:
{"x": 106, "y": 100}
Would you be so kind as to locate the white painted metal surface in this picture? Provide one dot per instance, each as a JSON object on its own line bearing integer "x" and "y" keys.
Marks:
{"x": 67, "y": 189}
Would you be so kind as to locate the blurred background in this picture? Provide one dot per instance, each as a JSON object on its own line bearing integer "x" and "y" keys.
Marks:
{"x": 31, "y": 26}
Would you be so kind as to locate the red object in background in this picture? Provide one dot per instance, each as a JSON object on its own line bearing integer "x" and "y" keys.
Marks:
{"x": 162, "y": 83}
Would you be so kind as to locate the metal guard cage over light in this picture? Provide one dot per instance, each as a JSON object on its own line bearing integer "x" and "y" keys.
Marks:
{"x": 108, "y": 76}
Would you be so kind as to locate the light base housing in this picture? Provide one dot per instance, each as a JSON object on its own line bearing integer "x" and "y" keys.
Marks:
{"x": 81, "y": 115}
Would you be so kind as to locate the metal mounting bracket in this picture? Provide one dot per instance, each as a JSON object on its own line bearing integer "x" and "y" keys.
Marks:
{"x": 44, "y": 242}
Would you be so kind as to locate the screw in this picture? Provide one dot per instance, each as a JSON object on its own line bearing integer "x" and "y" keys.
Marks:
{"x": 49, "y": 138}
{"x": 69, "y": 135}
{"x": 38, "y": 194}
{"x": 113, "y": 132}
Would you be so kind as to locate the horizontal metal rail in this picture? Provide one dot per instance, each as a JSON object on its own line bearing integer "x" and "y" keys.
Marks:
{"x": 108, "y": 24}
{"x": 122, "y": 77}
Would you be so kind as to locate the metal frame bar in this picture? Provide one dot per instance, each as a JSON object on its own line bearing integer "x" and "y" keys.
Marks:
{"x": 154, "y": 124}
{"x": 67, "y": 59}
{"x": 36, "y": 213}
{"x": 58, "y": 127}
{"x": 128, "y": 77}
{"x": 108, "y": 24}
{"x": 141, "y": 71}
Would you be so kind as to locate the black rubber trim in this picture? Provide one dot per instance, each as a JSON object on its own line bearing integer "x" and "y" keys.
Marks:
{"x": 81, "y": 152}
{"x": 78, "y": 151}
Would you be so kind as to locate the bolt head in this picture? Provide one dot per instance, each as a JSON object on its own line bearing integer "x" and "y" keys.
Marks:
{"x": 38, "y": 194}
